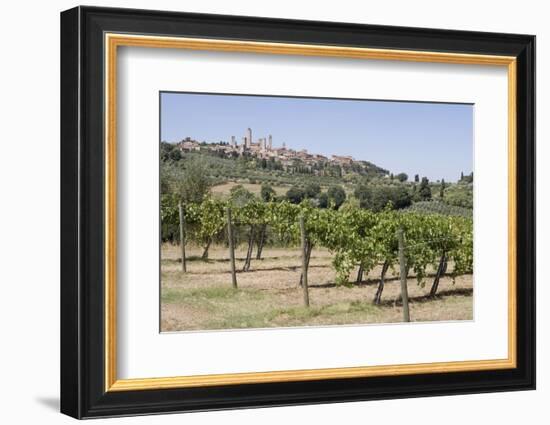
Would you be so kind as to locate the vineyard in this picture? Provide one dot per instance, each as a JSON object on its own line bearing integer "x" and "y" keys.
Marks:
{"x": 353, "y": 252}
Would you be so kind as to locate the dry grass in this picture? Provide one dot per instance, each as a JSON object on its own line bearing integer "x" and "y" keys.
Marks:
{"x": 269, "y": 296}
{"x": 222, "y": 190}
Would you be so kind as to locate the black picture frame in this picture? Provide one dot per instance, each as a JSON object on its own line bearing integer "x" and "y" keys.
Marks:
{"x": 83, "y": 392}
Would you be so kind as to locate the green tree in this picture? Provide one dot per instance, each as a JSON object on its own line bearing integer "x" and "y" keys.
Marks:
{"x": 195, "y": 183}
{"x": 322, "y": 200}
{"x": 416, "y": 178}
{"x": 312, "y": 190}
{"x": 381, "y": 197}
{"x": 469, "y": 178}
{"x": 378, "y": 198}
{"x": 165, "y": 150}
{"x": 175, "y": 155}
{"x": 401, "y": 198}
{"x": 295, "y": 195}
{"x": 442, "y": 189}
{"x": 267, "y": 193}
{"x": 364, "y": 194}
{"x": 239, "y": 196}
{"x": 336, "y": 196}
{"x": 424, "y": 192}
{"x": 402, "y": 177}
{"x": 165, "y": 182}
{"x": 396, "y": 197}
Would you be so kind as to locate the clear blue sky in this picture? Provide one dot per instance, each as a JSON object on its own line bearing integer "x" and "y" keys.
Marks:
{"x": 431, "y": 139}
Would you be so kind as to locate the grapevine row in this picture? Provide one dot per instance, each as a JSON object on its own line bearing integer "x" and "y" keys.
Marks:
{"x": 355, "y": 237}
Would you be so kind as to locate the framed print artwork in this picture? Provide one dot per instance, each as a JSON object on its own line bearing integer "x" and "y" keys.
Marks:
{"x": 261, "y": 212}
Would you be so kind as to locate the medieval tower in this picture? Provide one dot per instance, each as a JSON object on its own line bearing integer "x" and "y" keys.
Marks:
{"x": 248, "y": 137}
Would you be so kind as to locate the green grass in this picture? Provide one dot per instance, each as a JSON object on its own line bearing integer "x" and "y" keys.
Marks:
{"x": 173, "y": 295}
{"x": 294, "y": 316}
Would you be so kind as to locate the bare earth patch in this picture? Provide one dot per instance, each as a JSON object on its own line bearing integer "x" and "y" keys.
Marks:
{"x": 223, "y": 190}
{"x": 269, "y": 295}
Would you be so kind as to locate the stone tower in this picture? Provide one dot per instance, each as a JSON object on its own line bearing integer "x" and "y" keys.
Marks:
{"x": 248, "y": 137}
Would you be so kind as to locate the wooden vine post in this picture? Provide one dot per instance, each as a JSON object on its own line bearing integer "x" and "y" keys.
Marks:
{"x": 439, "y": 273}
{"x": 304, "y": 261}
{"x": 182, "y": 239}
{"x": 403, "y": 275}
{"x": 231, "y": 248}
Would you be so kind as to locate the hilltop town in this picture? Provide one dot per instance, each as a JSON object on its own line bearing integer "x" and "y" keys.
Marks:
{"x": 288, "y": 158}
{"x": 254, "y": 166}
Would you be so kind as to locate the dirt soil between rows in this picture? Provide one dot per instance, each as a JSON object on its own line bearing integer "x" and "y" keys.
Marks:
{"x": 269, "y": 295}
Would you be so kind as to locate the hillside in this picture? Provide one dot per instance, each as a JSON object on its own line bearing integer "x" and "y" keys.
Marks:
{"x": 362, "y": 182}
{"x": 296, "y": 167}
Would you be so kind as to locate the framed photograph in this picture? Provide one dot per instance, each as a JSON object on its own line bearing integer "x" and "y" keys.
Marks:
{"x": 261, "y": 212}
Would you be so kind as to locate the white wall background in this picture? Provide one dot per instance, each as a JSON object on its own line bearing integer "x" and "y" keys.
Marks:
{"x": 29, "y": 213}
